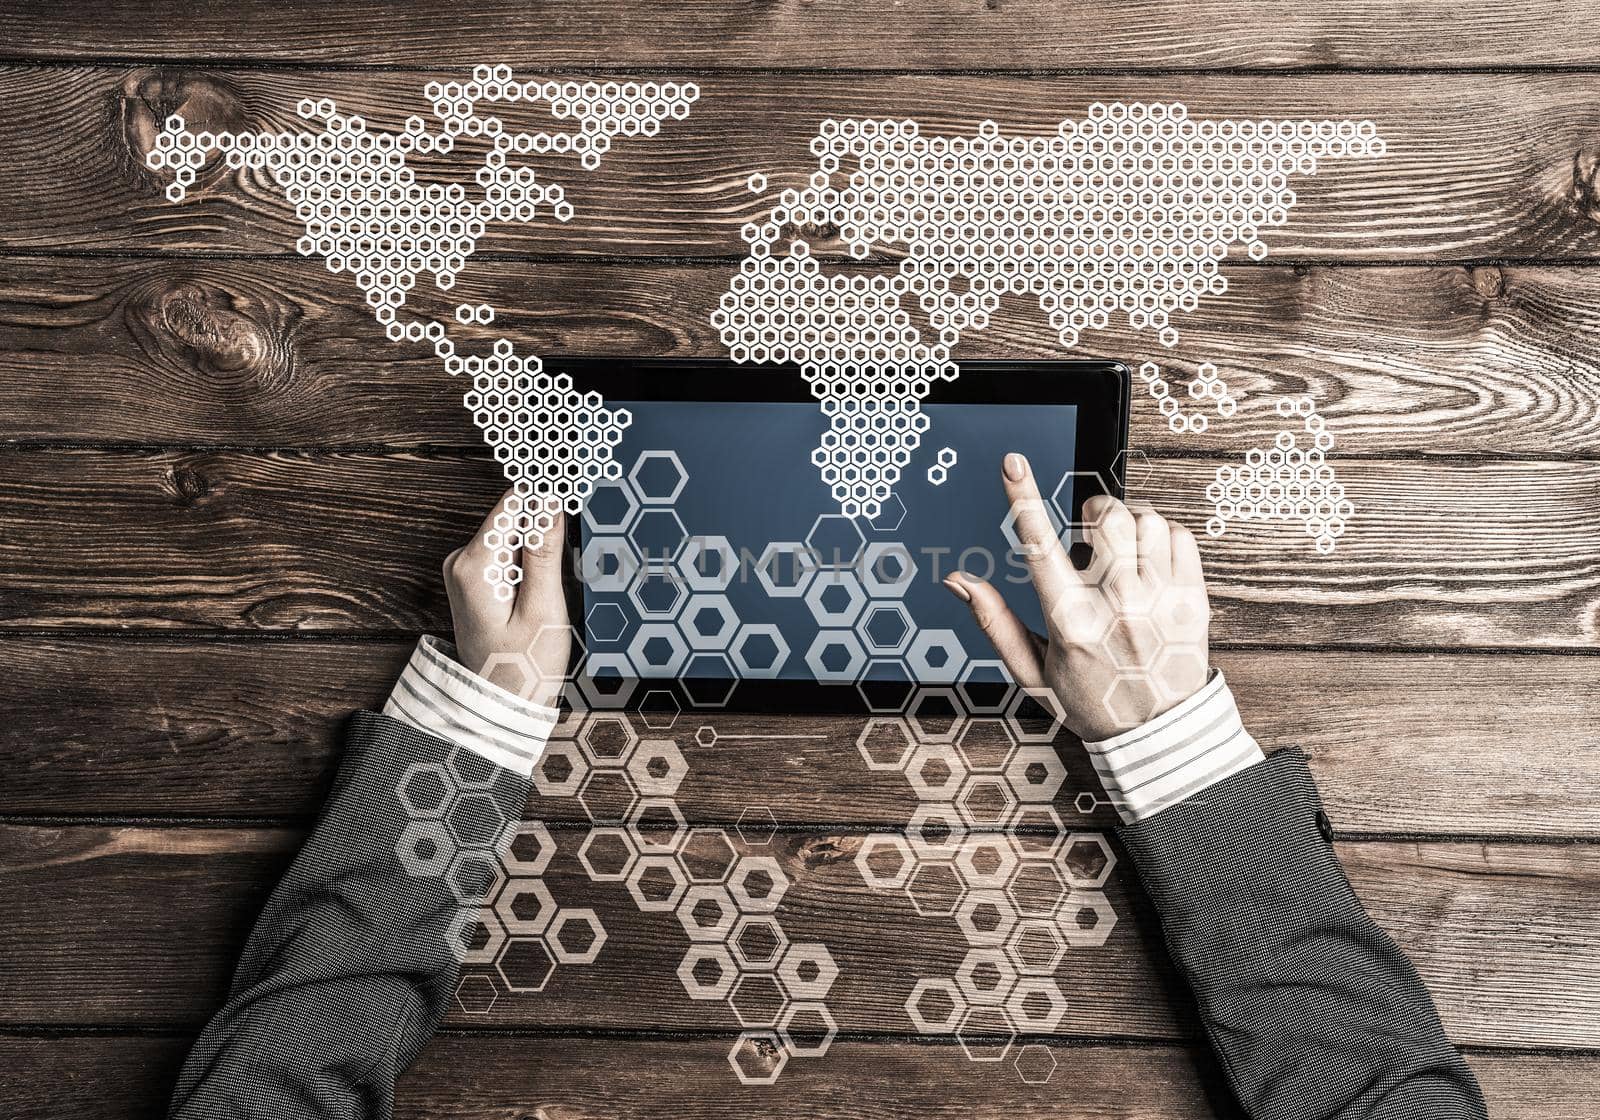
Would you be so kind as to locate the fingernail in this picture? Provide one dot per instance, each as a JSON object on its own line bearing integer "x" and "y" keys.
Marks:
{"x": 1016, "y": 467}
{"x": 957, "y": 588}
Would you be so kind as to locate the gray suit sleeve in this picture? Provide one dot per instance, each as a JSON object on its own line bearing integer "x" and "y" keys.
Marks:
{"x": 1311, "y": 1008}
{"x": 347, "y": 972}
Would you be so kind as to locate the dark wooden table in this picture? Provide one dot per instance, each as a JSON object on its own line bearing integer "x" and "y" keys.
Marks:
{"x": 224, "y": 499}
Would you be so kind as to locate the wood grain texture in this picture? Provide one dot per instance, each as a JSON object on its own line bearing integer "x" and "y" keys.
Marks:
{"x": 1483, "y": 554}
{"x": 1482, "y": 166}
{"x": 135, "y": 925}
{"x": 463, "y": 1076}
{"x": 1462, "y": 744}
{"x": 1445, "y": 360}
{"x": 928, "y": 35}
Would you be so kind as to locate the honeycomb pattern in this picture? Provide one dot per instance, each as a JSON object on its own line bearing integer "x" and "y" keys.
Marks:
{"x": 1206, "y": 386}
{"x": 1127, "y": 211}
{"x": 366, "y": 212}
{"x": 506, "y": 919}
{"x": 987, "y": 849}
{"x": 1285, "y": 482}
{"x": 723, "y": 887}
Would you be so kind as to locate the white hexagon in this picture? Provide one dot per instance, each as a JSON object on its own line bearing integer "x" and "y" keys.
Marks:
{"x": 657, "y": 866}
{"x": 873, "y": 848}
{"x": 521, "y": 858}
{"x": 922, "y": 1020}
{"x": 986, "y": 976}
{"x": 658, "y": 649}
{"x": 740, "y": 884}
{"x": 836, "y": 598}
{"x": 1036, "y": 773}
{"x": 658, "y": 767}
{"x": 693, "y": 964}
{"x": 830, "y": 645}
{"x": 886, "y": 628}
{"x": 779, "y": 583}
{"x": 564, "y": 921}
{"x": 703, "y": 552}
{"x": 1086, "y": 919}
{"x": 808, "y": 970}
{"x": 594, "y": 510}
{"x": 759, "y": 633}
{"x": 666, "y": 477}
{"x": 936, "y": 656}
{"x": 887, "y": 569}
{"x": 514, "y": 910}
{"x": 709, "y": 621}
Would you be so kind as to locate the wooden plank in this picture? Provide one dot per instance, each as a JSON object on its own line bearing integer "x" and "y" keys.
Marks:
{"x": 1463, "y": 744}
{"x": 921, "y": 34}
{"x": 1439, "y": 554}
{"x": 1438, "y": 360}
{"x": 488, "y": 1077}
{"x": 1480, "y": 166}
{"x": 141, "y": 926}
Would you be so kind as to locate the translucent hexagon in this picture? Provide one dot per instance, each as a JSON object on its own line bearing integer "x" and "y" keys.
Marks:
{"x": 658, "y": 649}
{"x": 808, "y": 1029}
{"x": 607, "y": 853}
{"x": 708, "y": 972}
{"x": 757, "y": 884}
{"x": 808, "y": 970}
{"x": 835, "y": 597}
{"x": 1087, "y": 860}
{"x": 657, "y": 825}
{"x": 561, "y": 769}
{"x": 657, "y": 883}
{"x": 785, "y": 569}
{"x": 707, "y": 913}
{"x": 759, "y": 650}
{"x": 758, "y": 942}
{"x": 887, "y": 569}
{"x": 707, "y": 855}
{"x": 474, "y": 935}
{"x": 708, "y": 563}
{"x": 1036, "y": 773}
{"x": 657, "y": 767}
{"x": 425, "y": 790}
{"x": 886, "y": 628}
{"x": 757, "y": 999}
{"x": 576, "y": 936}
{"x": 525, "y": 907}
{"x": 709, "y": 622}
{"x": 836, "y": 541}
{"x": 1036, "y": 1005}
{"x": 885, "y": 861}
{"x": 1086, "y": 919}
{"x": 526, "y": 848}
{"x": 936, "y": 772}
{"x": 986, "y": 976}
{"x": 658, "y": 591}
{"x": 986, "y": 917}
{"x": 608, "y": 739}
{"x": 935, "y": 1006}
{"x": 986, "y": 860}
{"x": 836, "y": 657}
{"x": 884, "y": 743}
{"x": 1036, "y": 947}
{"x": 758, "y": 1057}
{"x": 658, "y": 477}
{"x": 525, "y": 964}
{"x": 936, "y": 656}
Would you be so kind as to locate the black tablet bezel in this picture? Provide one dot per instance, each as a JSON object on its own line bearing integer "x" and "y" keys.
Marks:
{"x": 1100, "y": 389}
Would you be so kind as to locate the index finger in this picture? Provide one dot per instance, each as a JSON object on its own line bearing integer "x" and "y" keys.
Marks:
{"x": 1052, "y": 571}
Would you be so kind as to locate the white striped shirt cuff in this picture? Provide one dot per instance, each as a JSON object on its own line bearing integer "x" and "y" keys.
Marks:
{"x": 439, "y": 695}
{"x": 1177, "y": 754}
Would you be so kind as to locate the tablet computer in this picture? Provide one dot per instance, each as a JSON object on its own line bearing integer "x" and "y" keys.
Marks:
{"x": 719, "y": 567}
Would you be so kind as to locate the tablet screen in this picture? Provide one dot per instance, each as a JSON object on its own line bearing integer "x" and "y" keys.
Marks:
{"x": 737, "y": 547}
